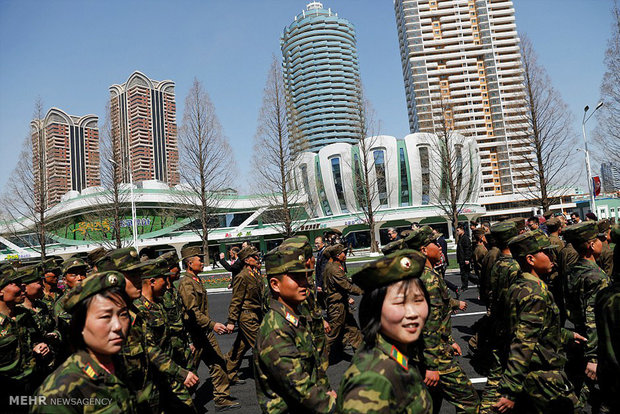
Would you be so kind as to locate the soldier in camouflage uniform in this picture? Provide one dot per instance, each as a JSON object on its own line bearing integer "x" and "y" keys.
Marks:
{"x": 554, "y": 227}
{"x": 201, "y": 327}
{"x": 533, "y": 380}
{"x": 286, "y": 361}
{"x": 143, "y": 359}
{"x": 338, "y": 288}
{"x": 567, "y": 257}
{"x": 22, "y": 350}
{"x": 175, "y": 395}
{"x": 606, "y": 260}
{"x": 488, "y": 261}
{"x": 51, "y": 272}
{"x": 585, "y": 281}
{"x": 444, "y": 376}
{"x": 607, "y": 316}
{"x": 504, "y": 273}
{"x": 245, "y": 310}
{"x": 480, "y": 251}
{"x": 180, "y": 342}
{"x": 94, "y": 373}
{"x": 384, "y": 376}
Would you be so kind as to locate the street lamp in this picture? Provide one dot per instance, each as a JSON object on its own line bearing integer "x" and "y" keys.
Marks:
{"x": 585, "y": 141}
{"x": 134, "y": 221}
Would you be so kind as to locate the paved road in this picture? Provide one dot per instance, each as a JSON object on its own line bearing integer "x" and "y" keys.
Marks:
{"x": 246, "y": 393}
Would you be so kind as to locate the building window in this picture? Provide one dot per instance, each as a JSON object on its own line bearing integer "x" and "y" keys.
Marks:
{"x": 337, "y": 175}
{"x": 321, "y": 190}
{"x": 379, "y": 156}
{"x": 404, "y": 179}
{"x": 424, "y": 166}
{"x": 306, "y": 184}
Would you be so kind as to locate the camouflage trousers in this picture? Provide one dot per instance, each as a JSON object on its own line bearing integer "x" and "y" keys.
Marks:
{"x": 249, "y": 324}
{"x": 320, "y": 343}
{"x": 208, "y": 351}
{"x": 547, "y": 392}
{"x": 491, "y": 392}
{"x": 175, "y": 397}
{"x": 344, "y": 328}
{"x": 457, "y": 389}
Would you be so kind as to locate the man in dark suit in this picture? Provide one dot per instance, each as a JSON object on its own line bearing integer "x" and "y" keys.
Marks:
{"x": 463, "y": 257}
{"x": 321, "y": 261}
{"x": 235, "y": 267}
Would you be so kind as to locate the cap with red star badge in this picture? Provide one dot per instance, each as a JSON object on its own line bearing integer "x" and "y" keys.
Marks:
{"x": 400, "y": 265}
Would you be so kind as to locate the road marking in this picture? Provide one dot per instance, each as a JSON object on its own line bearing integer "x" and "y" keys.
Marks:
{"x": 470, "y": 314}
{"x": 478, "y": 380}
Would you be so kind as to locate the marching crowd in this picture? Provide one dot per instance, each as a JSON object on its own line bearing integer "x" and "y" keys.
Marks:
{"x": 127, "y": 335}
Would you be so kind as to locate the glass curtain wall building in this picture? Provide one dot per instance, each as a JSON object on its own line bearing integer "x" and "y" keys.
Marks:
{"x": 321, "y": 74}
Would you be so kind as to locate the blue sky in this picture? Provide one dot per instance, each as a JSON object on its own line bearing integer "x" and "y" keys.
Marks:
{"x": 70, "y": 52}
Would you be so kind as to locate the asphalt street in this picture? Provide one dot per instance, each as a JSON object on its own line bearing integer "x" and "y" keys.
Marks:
{"x": 246, "y": 393}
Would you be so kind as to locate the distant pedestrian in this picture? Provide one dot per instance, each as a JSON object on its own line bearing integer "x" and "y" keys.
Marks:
{"x": 463, "y": 257}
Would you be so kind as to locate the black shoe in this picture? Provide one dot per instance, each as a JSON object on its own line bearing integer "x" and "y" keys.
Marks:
{"x": 227, "y": 405}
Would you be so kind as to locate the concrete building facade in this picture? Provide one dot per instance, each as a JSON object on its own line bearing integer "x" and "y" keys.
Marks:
{"x": 462, "y": 67}
{"x": 66, "y": 152}
{"x": 143, "y": 113}
{"x": 610, "y": 177}
{"x": 321, "y": 74}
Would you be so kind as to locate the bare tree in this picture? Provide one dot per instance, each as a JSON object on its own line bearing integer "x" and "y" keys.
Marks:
{"x": 449, "y": 169}
{"x": 548, "y": 137}
{"x": 26, "y": 200}
{"x": 206, "y": 164}
{"x": 370, "y": 190}
{"x": 276, "y": 144}
{"x": 109, "y": 209}
{"x": 607, "y": 134}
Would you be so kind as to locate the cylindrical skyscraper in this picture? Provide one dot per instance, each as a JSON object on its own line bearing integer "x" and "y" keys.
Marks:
{"x": 321, "y": 74}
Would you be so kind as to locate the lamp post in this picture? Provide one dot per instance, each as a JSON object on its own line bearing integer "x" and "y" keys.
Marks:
{"x": 585, "y": 141}
{"x": 134, "y": 221}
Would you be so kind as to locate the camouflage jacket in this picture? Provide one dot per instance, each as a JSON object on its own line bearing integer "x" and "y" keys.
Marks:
{"x": 179, "y": 337}
{"x": 63, "y": 318}
{"x": 383, "y": 380}
{"x": 81, "y": 378}
{"x": 247, "y": 294}
{"x": 488, "y": 261}
{"x": 555, "y": 253}
{"x": 50, "y": 301}
{"x": 504, "y": 274}
{"x": 196, "y": 305}
{"x": 337, "y": 285}
{"x": 17, "y": 361}
{"x": 479, "y": 253}
{"x": 156, "y": 322}
{"x": 606, "y": 260}
{"x": 607, "y": 314}
{"x": 44, "y": 317}
{"x": 536, "y": 338}
{"x": 286, "y": 365}
{"x": 437, "y": 332}
{"x": 585, "y": 281}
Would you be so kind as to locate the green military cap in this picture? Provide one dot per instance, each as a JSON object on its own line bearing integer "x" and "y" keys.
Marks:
{"x": 405, "y": 233}
{"x": 51, "y": 265}
{"x": 615, "y": 234}
{"x": 246, "y": 252}
{"x": 603, "y": 225}
{"x": 73, "y": 263}
{"x": 289, "y": 257}
{"x": 519, "y": 222}
{"x": 554, "y": 224}
{"x": 95, "y": 255}
{"x": 581, "y": 232}
{"x": 504, "y": 231}
{"x": 191, "y": 251}
{"x": 331, "y": 252}
{"x": 479, "y": 231}
{"x": 124, "y": 259}
{"x": 529, "y": 243}
{"x": 391, "y": 247}
{"x": 154, "y": 268}
{"x": 8, "y": 274}
{"x": 171, "y": 258}
{"x": 31, "y": 273}
{"x": 420, "y": 238}
{"x": 92, "y": 285}
{"x": 396, "y": 266}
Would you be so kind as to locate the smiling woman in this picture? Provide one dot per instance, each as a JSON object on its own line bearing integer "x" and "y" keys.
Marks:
{"x": 91, "y": 378}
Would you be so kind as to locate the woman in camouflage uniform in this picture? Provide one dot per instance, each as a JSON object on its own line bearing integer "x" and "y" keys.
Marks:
{"x": 89, "y": 380}
{"x": 383, "y": 376}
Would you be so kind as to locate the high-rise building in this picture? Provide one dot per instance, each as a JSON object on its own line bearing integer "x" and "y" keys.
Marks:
{"x": 462, "y": 67}
{"x": 610, "y": 177}
{"x": 321, "y": 74}
{"x": 66, "y": 151}
{"x": 143, "y": 113}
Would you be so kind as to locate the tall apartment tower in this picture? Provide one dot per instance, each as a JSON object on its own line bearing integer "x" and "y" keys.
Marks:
{"x": 610, "y": 177}
{"x": 143, "y": 113}
{"x": 65, "y": 152}
{"x": 321, "y": 74}
{"x": 462, "y": 67}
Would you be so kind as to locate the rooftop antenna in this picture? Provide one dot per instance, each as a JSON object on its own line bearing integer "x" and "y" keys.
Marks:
{"x": 315, "y": 5}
